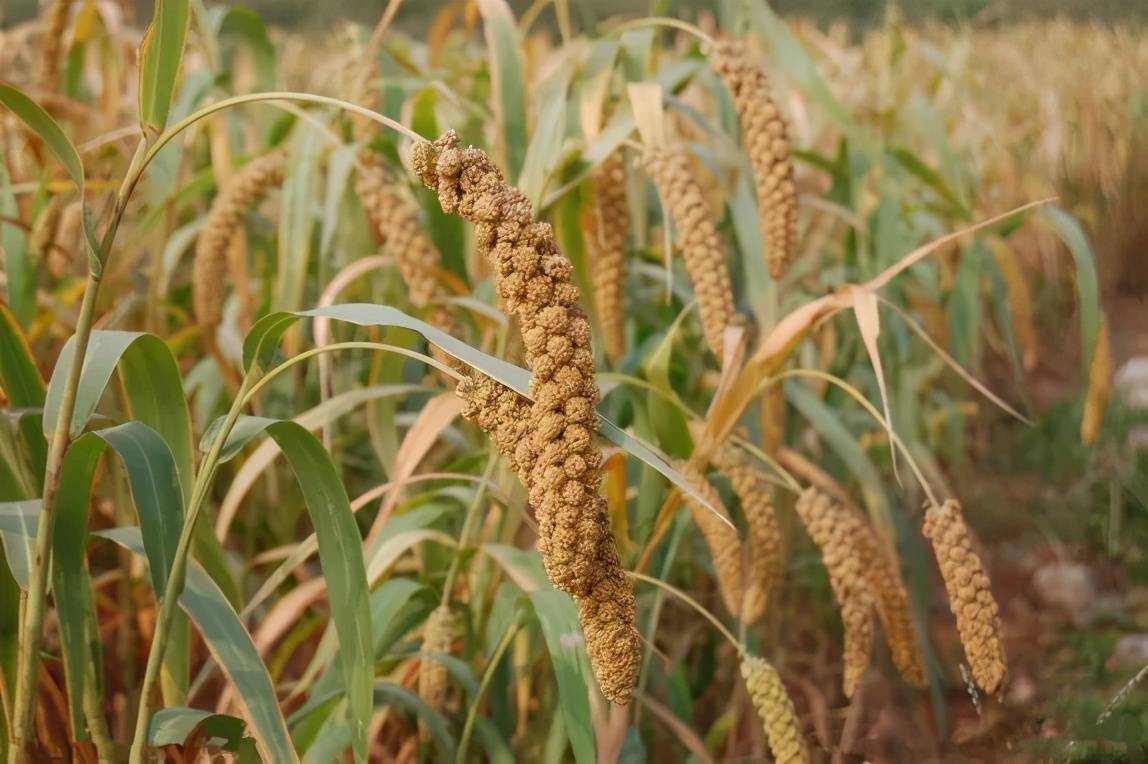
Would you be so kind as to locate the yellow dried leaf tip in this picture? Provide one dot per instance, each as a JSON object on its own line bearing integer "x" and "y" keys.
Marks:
{"x": 833, "y": 529}
{"x": 970, "y": 596}
{"x": 764, "y": 136}
{"x": 560, "y": 464}
{"x": 775, "y": 709}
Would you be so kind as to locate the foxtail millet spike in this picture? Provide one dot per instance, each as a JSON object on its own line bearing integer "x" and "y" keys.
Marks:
{"x": 609, "y": 226}
{"x": 762, "y": 550}
{"x": 224, "y": 221}
{"x": 970, "y": 595}
{"x": 832, "y": 529}
{"x": 696, "y": 234}
{"x": 562, "y": 466}
{"x": 775, "y": 710}
{"x": 764, "y": 136}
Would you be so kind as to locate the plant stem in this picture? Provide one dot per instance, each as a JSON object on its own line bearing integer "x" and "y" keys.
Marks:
{"x": 28, "y": 664}
{"x": 170, "y": 599}
{"x": 487, "y": 676}
{"x": 471, "y": 514}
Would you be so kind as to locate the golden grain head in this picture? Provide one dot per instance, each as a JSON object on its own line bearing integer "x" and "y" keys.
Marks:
{"x": 762, "y": 550}
{"x": 892, "y": 602}
{"x": 609, "y": 225}
{"x": 439, "y": 633}
{"x": 833, "y": 529}
{"x": 534, "y": 283}
{"x": 775, "y": 710}
{"x": 224, "y": 222}
{"x": 765, "y": 137}
{"x": 696, "y": 235}
{"x": 721, "y": 537}
{"x": 970, "y": 596}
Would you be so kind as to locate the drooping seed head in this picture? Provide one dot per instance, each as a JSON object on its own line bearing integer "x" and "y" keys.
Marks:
{"x": 765, "y": 137}
{"x": 775, "y": 710}
{"x": 833, "y": 529}
{"x": 970, "y": 596}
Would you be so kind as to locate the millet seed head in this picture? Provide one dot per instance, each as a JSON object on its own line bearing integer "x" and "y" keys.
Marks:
{"x": 833, "y": 529}
{"x": 970, "y": 596}
{"x": 764, "y": 136}
{"x": 775, "y": 710}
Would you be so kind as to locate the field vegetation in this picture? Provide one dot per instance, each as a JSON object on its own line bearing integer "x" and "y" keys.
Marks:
{"x": 706, "y": 385}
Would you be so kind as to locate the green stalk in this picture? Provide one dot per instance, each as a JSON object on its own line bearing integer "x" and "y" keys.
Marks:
{"x": 467, "y": 524}
{"x": 169, "y": 602}
{"x": 34, "y": 601}
{"x": 487, "y": 676}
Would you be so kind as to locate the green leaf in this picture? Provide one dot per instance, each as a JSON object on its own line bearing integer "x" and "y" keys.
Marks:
{"x": 507, "y": 75}
{"x": 23, "y": 385}
{"x": 341, "y": 558}
{"x": 75, "y": 605}
{"x": 41, "y": 123}
{"x": 160, "y": 56}
{"x": 1087, "y": 284}
{"x": 559, "y": 619}
{"x": 931, "y": 178}
{"x": 245, "y": 24}
{"x": 173, "y": 726}
{"x": 155, "y": 490}
{"x": 18, "y": 520}
{"x": 232, "y": 648}
{"x": 260, "y": 342}
{"x": 19, "y": 263}
{"x": 296, "y": 219}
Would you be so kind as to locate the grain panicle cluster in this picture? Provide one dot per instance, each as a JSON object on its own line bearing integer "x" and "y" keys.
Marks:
{"x": 224, "y": 221}
{"x": 762, "y": 556}
{"x": 439, "y": 634}
{"x": 608, "y": 231}
{"x": 833, "y": 529}
{"x": 561, "y": 466}
{"x": 764, "y": 136}
{"x": 395, "y": 221}
{"x": 775, "y": 709}
{"x": 721, "y": 538}
{"x": 696, "y": 234}
{"x": 970, "y": 596}
{"x": 52, "y": 45}
{"x": 892, "y": 600}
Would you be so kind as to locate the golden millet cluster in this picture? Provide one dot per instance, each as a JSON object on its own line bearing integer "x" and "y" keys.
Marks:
{"x": 395, "y": 221}
{"x": 209, "y": 268}
{"x": 833, "y": 529}
{"x": 721, "y": 538}
{"x": 892, "y": 601}
{"x": 439, "y": 634}
{"x": 764, "y": 136}
{"x": 763, "y": 546}
{"x": 970, "y": 597}
{"x": 562, "y": 466}
{"x": 775, "y": 709}
{"x": 609, "y": 227}
{"x": 697, "y": 235}
{"x": 52, "y": 45}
